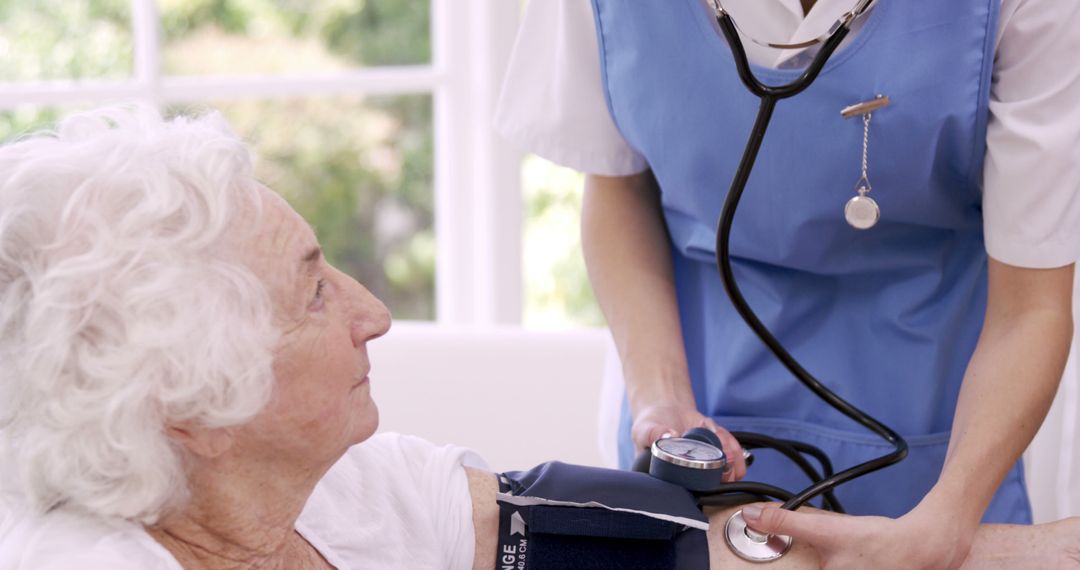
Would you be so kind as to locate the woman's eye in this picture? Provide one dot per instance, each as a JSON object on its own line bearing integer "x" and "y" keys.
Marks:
{"x": 317, "y": 300}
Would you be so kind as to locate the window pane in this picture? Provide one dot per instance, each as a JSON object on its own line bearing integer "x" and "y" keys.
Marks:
{"x": 293, "y": 36}
{"x": 65, "y": 39}
{"x": 359, "y": 169}
{"x": 557, "y": 291}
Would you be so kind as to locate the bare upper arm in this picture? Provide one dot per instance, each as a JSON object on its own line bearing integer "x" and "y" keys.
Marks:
{"x": 483, "y": 487}
{"x": 1017, "y": 290}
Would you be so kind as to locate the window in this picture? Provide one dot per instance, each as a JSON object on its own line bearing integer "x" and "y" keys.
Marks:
{"x": 557, "y": 290}
{"x": 373, "y": 117}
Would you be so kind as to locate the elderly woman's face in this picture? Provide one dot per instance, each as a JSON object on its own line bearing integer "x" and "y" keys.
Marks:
{"x": 322, "y": 401}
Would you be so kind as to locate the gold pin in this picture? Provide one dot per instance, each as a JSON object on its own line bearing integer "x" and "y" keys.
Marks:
{"x": 865, "y": 107}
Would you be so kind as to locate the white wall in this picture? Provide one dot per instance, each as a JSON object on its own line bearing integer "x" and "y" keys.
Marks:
{"x": 524, "y": 397}
{"x": 517, "y": 397}
{"x": 1053, "y": 461}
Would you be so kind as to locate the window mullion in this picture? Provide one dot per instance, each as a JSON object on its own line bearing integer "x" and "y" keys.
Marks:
{"x": 454, "y": 220}
{"x": 478, "y": 198}
{"x": 146, "y": 26}
{"x": 497, "y": 167}
{"x": 371, "y": 81}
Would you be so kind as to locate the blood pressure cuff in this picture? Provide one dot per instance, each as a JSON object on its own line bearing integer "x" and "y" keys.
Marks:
{"x": 567, "y": 516}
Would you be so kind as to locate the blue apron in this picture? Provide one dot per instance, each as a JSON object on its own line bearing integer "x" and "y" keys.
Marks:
{"x": 887, "y": 317}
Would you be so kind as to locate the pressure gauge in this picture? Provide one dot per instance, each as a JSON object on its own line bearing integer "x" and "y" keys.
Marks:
{"x": 694, "y": 461}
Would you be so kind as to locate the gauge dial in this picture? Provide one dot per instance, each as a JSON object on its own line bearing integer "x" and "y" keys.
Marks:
{"x": 690, "y": 449}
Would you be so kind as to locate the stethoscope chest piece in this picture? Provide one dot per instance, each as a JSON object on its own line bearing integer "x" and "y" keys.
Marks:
{"x": 751, "y": 545}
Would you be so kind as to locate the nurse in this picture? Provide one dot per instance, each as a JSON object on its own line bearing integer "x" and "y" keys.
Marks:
{"x": 949, "y": 320}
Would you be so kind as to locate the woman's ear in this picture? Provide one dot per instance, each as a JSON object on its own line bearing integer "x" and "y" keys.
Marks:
{"x": 201, "y": 441}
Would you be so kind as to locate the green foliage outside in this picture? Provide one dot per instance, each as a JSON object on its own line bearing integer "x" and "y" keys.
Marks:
{"x": 557, "y": 291}
{"x": 63, "y": 39}
{"x": 359, "y": 168}
{"x": 356, "y": 32}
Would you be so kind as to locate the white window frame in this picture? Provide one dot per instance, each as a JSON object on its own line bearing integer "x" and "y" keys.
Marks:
{"x": 478, "y": 204}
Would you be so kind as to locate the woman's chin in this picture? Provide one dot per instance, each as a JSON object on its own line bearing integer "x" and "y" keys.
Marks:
{"x": 367, "y": 424}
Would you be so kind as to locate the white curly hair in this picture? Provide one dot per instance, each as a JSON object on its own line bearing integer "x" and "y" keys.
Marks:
{"x": 123, "y": 307}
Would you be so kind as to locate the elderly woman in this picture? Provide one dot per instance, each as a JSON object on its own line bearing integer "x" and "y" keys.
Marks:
{"x": 184, "y": 378}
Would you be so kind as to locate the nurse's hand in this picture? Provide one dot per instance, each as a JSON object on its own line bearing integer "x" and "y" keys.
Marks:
{"x": 657, "y": 420}
{"x": 922, "y": 539}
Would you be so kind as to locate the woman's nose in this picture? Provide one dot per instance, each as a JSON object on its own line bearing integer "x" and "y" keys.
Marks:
{"x": 371, "y": 319}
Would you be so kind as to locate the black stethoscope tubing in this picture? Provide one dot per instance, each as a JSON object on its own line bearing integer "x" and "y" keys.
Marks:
{"x": 769, "y": 95}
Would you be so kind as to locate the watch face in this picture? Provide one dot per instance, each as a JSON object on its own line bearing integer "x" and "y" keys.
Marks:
{"x": 689, "y": 449}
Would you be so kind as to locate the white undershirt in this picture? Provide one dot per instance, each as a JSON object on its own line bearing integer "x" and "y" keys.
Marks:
{"x": 553, "y": 105}
{"x": 393, "y": 501}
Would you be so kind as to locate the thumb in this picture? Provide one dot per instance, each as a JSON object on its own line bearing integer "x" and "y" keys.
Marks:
{"x": 817, "y": 529}
{"x": 648, "y": 432}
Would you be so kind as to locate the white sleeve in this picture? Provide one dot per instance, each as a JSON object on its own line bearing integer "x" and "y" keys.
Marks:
{"x": 438, "y": 475}
{"x": 552, "y": 101}
{"x": 395, "y": 501}
{"x": 1031, "y": 206}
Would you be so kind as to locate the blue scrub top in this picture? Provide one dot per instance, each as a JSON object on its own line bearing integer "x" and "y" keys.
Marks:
{"x": 888, "y": 317}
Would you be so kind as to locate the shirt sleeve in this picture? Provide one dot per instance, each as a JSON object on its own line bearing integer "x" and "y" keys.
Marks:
{"x": 1031, "y": 207}
{"x": 393, "y": 493}
{"x": 394, "y": 501}
{"x": 552, "y": 101}
{"x": 438, "y": 474}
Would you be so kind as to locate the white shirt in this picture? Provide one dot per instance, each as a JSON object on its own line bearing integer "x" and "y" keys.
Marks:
{"x": 393, "y": 501}
{"x": 553, "y": 105}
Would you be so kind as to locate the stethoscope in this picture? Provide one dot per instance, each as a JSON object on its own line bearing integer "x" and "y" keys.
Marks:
{"x": 683, "y": 460}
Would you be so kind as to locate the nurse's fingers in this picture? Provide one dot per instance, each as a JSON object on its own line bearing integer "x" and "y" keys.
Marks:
{"x": 645, "y": 432}
{"x": 818, "y": 529}
{"x": 732, "y": 450}
{"x": 662, "y": 418}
